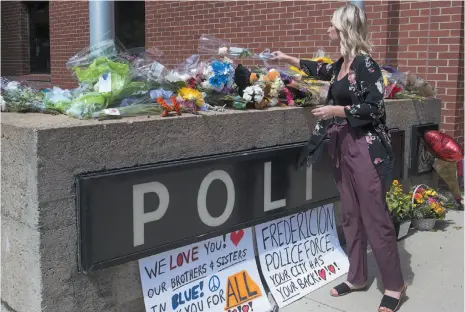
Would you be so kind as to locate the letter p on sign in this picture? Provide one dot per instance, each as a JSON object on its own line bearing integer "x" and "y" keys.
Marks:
{"x": 139, "y": 217}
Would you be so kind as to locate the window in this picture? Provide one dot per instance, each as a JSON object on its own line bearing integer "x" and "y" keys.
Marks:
{"x": 39, "y": 37}
{"x": 130, "y": 23}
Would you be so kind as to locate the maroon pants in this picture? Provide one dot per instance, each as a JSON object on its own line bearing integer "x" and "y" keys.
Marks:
{"x": 364, "y": 208}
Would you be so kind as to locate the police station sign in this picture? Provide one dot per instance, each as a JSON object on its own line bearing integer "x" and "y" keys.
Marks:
{"x": 129, "y": 214}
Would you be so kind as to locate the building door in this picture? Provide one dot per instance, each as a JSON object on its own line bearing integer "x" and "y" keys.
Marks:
{"x": 39, "y": 37}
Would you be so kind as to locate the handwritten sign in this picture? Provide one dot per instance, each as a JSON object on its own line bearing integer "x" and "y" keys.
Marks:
{"x": 219, "y": 274}
{"x": 300, "y": 253}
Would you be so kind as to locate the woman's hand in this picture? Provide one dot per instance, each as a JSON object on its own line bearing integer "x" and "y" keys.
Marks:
{"x": 279, "y": 56}
{"x": 283, "y": 57}
{"x": 329, "y": 111}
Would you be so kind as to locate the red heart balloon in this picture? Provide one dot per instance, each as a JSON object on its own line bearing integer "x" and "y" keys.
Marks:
{"x": 443, "y": 146}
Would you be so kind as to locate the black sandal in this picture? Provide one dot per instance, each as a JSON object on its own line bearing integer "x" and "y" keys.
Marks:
{"x": 344, "y": 289}
{"x": 392, "y": 303}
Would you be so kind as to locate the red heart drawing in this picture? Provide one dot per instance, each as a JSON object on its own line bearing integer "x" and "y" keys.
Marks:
{"x": 237, "y": 236}
{"x": 332, "y": 268}
{"x": 322, "y": 274}
{"x": 245, "y": 308}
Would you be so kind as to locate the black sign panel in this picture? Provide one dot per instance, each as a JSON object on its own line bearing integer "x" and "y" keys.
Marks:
{"x": 132, "y": 213}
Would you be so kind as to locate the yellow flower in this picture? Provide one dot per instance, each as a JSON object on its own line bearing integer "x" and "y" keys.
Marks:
{"x": 395, "y": 182}
{"x": 193, "y": 95}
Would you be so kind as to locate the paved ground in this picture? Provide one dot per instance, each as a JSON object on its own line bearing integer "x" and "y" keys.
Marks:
{"x": 433, "y": 266}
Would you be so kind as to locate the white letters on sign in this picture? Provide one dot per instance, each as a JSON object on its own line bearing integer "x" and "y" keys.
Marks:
{"x": 204, "y": 215}
{"x": 140, "y": 218}
{"x": 268, "y": 204}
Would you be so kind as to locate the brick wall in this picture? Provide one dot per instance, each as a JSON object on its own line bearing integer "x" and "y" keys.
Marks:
{"x": 399, "y": 31}
{"x": 15, "y": 54}
{"x": 69, "y": 33}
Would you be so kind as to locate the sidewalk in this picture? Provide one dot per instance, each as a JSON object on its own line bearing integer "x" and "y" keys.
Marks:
{"x": 433, "y": 266}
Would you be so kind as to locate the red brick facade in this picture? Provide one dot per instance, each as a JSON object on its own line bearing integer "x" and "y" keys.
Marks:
{"x": 399, "y": 31}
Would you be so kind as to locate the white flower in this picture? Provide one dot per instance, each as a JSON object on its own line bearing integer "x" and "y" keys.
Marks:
{"x": 206, "y": 85}
{"x": 274, "y": 102}
{"x": 12, "y": 86}
{"x": 248, "y": 90}
{"x": 208, "y": 72}
{"x": 247, "y": 97}
{"x": 223, "y": 51}
{"x": 174, "y": 76}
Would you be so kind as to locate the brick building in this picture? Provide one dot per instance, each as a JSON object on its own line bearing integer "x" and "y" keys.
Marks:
{"x": 423, "y": 37}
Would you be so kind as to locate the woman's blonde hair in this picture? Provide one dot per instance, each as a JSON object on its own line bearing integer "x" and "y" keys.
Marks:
{"x": 351, "y": 24}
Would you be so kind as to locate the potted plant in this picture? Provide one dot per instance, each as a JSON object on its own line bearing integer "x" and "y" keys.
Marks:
{"x": 399, "y": 205}
{"x": 427, "y": 207}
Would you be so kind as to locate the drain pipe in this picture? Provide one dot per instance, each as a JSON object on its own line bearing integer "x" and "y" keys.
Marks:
{"x": 359, "y": 3}
{"x": 101, "y": 21}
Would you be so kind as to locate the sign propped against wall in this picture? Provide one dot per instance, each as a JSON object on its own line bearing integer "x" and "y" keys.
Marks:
{"x": 219, "y": 274}
{"x": 300, "y": 253}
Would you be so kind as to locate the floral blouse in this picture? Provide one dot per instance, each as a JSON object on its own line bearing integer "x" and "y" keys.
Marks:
{"x": 366, "y": 111}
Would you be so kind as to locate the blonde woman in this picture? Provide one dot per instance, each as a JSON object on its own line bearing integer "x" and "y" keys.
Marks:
{"x": 361, "y": 152}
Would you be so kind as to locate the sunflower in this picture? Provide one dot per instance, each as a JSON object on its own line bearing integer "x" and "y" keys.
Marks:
{"x": 193, "y": 95}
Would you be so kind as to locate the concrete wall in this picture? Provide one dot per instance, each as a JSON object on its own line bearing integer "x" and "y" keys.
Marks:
{"x": 42, "y": 154}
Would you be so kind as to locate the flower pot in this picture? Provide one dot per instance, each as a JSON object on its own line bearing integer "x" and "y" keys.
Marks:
{"x": 424, "y": 224}
{"x": 402, "y": 228}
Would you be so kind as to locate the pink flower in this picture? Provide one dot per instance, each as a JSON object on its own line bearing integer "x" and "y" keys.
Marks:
{"x": 369, "y": 139}
{"x": 378, "y": 160}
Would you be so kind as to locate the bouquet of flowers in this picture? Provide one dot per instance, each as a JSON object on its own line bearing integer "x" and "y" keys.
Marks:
{"x": 214, "y": 46}
{"x": 254, "y": 94}
{"x": 427, "y": 204}
{"x": 219, "y": 76}
{"x": 58, "y": 99}
{"x": 272, "y": 85}
{"x": 21, "y": 98}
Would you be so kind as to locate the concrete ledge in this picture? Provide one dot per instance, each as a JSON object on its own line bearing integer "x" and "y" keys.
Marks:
{"x": 42, "y": 154}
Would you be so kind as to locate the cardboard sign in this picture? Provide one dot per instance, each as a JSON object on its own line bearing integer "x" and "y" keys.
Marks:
{"x": 300, "y": 253}
{"x": 219, "y": 274}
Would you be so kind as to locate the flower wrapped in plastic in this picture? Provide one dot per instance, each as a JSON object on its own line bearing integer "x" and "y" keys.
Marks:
{"x": 58, "y": 99}
{"x": 320, "y": 56}
{"x": 147, "y": 64}
{"x": 419, "y": 86}
{"x": 213, "y": 46}
{"x": 86, "y": 104}
{"x": 219, "y": 75}
{"x": 304, "y": 92}
{"x": 112, "y": 49}
{"x": 135, "y": 110}
{"x": 392, "y": 81}
{"x": 21, "y": 98}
